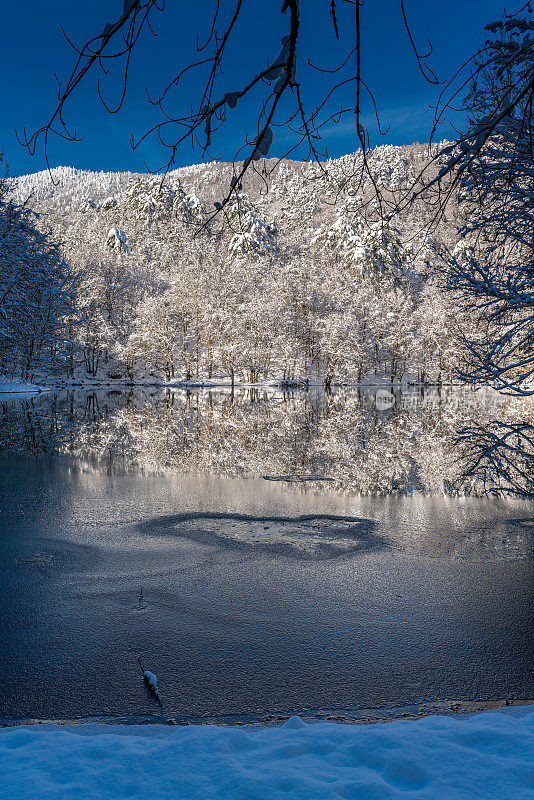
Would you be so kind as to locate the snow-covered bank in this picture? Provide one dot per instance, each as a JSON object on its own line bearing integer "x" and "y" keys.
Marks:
{"x": 225, "y": 384}
{"x": 20, "y": 387}
{"x": 489, "y": 755}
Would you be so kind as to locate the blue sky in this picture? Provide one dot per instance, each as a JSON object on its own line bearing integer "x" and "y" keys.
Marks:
{"x": 32, "y": 48}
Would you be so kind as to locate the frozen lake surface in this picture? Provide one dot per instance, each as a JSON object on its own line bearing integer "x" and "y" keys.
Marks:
{"x": 251, "y": 598}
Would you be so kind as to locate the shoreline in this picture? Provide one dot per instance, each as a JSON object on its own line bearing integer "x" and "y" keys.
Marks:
{"x": 225, "y": 385}
{"x": 364, "y": 716}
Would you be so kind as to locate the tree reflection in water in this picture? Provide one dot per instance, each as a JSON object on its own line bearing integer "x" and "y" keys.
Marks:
{"x": 364, "y": 441}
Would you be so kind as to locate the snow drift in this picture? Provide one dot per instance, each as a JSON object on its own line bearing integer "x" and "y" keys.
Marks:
{"x": 487, "y": 756}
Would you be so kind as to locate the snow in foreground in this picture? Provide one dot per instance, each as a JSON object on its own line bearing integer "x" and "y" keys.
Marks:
{"x": 490, "y": 755}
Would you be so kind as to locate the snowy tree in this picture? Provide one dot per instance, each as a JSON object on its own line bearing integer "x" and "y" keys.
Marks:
{"x": 369, "y": 250}
{"x": 37, "y": 290}
{"x": 158, "y": 340}
{"x": 250, "y": 231}
{"x": 437, "y": 326}
{"x": 153, "y": 199}
{"x": 117, "y": 240}
{"x": 494, "y": 269}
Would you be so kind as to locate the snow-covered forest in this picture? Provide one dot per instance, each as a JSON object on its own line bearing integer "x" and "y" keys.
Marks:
{"x": 298, "y": 280}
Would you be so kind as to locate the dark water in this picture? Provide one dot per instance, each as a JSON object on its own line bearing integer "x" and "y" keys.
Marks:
{"x": 245, "y": 596}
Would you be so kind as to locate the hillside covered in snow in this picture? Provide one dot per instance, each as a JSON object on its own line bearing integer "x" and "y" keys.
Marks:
{"x": 298, "y": 277}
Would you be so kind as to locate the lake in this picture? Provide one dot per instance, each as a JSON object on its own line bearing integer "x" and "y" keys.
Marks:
{"x": 263, "y": 553}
